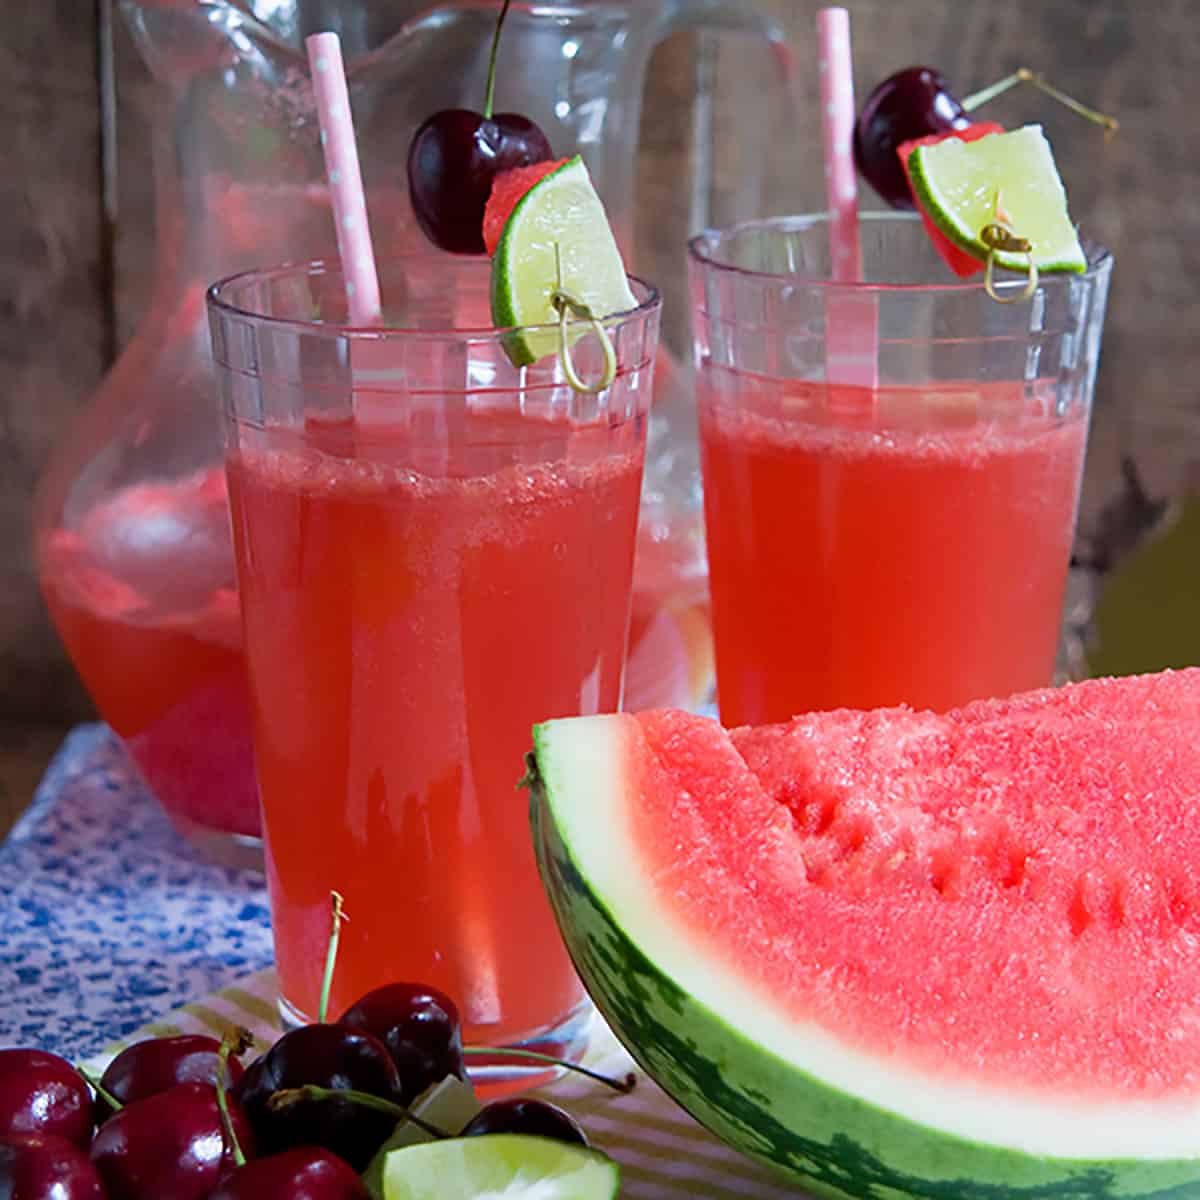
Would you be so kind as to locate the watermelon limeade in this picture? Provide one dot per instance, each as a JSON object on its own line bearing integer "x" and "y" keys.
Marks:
{"x": 407, "y": 621}
{"x": 142, "y": 592}
{"x": 903, "y": 953}
{"x": 872, "y": 547}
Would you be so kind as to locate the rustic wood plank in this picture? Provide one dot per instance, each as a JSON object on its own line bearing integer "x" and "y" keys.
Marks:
{"x": 25, "y": 752}
{"x": 52, "y": 310}
{"x": 138, "y": 98}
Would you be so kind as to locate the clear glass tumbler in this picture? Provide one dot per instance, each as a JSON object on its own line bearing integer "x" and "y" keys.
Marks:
{"x": 891, "y": 467}
{"x": 434, "y": 552}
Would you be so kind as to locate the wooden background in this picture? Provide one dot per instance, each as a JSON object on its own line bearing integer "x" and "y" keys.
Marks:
{"x": 71, "y": 290}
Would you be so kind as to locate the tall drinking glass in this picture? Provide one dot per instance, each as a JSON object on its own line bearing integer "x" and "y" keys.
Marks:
{"x": 891, "y": 467}
{"x": 434, "y": 551}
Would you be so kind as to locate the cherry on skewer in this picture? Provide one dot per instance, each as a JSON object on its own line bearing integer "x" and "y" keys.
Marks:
{"x": 916, "y": 102}
{"x": 910, "y": 104}
{"x": 457, "y": 153}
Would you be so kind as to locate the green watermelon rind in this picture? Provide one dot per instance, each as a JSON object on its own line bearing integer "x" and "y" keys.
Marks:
{"x": 836, "y": 1144}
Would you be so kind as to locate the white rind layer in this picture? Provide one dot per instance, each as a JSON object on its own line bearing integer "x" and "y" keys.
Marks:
{"x": 594, "y": 823}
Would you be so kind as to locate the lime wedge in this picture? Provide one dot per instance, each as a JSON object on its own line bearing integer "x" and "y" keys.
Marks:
{"x": 1005, "y": 177}
{"x": 499, "y": 1166}
{"x": 447, "y": 1105}
{"x": 558, "y": 236}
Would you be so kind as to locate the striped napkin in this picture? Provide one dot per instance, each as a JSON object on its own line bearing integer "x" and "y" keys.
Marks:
{"x": 663, "y": 1153}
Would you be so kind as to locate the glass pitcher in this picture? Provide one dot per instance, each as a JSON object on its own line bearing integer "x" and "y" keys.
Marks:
{"x": 131, "y": 527}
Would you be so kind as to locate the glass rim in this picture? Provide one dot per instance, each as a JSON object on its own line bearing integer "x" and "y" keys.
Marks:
{"x": 702, "y": 245}
{"x": 217, "y": 300}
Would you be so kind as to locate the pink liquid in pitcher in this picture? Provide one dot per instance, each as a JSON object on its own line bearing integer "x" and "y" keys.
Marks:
{"x": 143, "y": 594}
{"x": 142, "y": 591}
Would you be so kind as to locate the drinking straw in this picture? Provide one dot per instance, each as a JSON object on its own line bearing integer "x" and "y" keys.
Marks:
{"x": 837, "y": 128}
{"x": 345, "y": 178}
{"x": 374, "y": 371}
{"x": 850, "y": 320}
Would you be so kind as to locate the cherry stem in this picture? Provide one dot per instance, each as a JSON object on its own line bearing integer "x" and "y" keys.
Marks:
{"x": 623, "y": 1086}
{"x": 287, "y": 1097}
{"x": 100, "y": 1091}
{"x": 335, "y": 933}
{"x": 1025, "y": 75}
{"x": 233, "y": 1041}
{"x": 491, "y": 75}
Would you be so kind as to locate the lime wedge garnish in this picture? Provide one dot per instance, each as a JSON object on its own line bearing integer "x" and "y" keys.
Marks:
{"x": 499, "y": 1166}
{"x": 557, "y": 238}
{"x": 1005, "y": 178}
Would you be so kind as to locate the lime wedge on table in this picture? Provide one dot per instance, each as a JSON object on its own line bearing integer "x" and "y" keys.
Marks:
{"x": 449, "y": 1105}
{"x": 965, "y": 186}
{"x": 499, "y": 1166}
{"x": 558, "y": 236}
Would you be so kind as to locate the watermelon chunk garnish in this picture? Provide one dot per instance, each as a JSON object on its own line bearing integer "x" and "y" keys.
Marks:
{"x": 507, "y": 189}
{"x": 957, "y": 259}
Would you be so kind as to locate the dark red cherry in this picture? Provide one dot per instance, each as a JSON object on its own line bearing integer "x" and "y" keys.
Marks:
{"x": 421, "y": 1029}
{"x": 305, "y": 1173}
{"x": 910, "y": 104}
{"x": 42, "y": 1093}
{"x": 523, "y": 1115}
{"x": 456, "y": 153}
{"x": 156, "y": 1064}
{"x": 44, "y": 1166}
{"x": 454, "y": 156}
{"x": 169, "y": 1144}
{"x": 329, "y": 1056}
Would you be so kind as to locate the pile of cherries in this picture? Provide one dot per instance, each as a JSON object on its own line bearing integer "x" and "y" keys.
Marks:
{"x": 180, "y": 1117}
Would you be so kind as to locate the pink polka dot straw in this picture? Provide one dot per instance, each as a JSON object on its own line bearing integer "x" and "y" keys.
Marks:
{"x": 345, "y": 177}
{"x": 378, "y": 378}
{"x": 850, "y": 336}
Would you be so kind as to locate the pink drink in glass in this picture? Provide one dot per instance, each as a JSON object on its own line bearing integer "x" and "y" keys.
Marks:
{"x": 888, "y": 560}
{"x": 891, "y": 466}
{"x": 429, "y": 563}
{"x": 143, "y": 594}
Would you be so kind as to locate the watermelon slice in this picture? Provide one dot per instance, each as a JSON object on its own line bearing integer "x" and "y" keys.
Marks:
{"x": 897, "y": 953}
{"x": 958, "y": 260}
{"x": 507, "y": 189}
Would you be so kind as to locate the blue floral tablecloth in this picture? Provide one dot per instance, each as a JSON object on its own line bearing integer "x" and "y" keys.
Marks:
{"x": 110, "y": 921}
{"x": 108, "y": 917}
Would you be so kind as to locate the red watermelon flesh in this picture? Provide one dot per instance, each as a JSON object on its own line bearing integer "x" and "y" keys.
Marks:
{"x": 507, "y": 189}
{"x": 957, "y": 259}
{"x": 1007, "y": 892}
